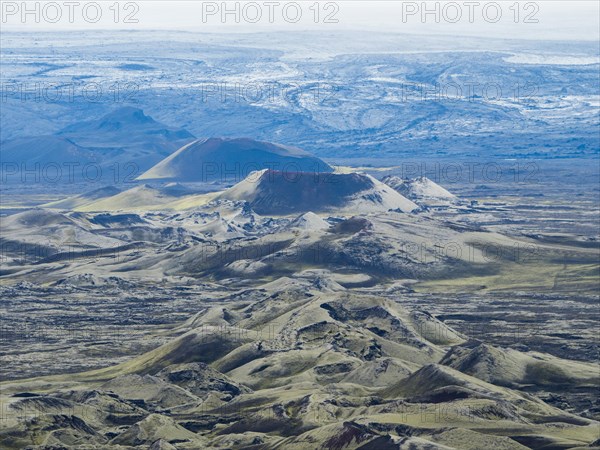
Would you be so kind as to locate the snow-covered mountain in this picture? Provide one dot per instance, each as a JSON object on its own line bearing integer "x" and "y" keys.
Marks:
{"x": 351, "y": 96}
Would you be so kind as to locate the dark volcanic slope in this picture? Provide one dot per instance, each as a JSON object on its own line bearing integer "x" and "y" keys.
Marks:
{"x": 277, "y": 192}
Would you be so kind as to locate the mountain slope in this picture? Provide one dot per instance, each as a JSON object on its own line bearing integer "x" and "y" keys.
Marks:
{"x": 232, "y": 159}
{"x": 136, "y": 198}
{"x": 291, "y": 364}
{"x": 275, "y": 192}
{"x": 84, "y": 199}
{"x": 508, "y": 367}
{"x": 39, "y": 234}
{"x": 418, "y": 189}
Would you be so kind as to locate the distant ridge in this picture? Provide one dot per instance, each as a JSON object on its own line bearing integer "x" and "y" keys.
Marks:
{"x": 125, "y": 142}
{"x": 115, "y": 120}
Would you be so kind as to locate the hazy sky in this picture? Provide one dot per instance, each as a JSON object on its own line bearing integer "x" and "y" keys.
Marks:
{"x": 544, "y": 19}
